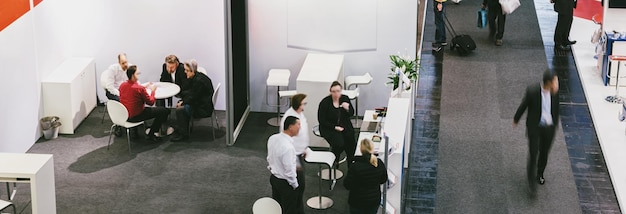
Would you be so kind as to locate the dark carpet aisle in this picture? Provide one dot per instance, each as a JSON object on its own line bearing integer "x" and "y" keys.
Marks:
{"x": 482, "y": 159}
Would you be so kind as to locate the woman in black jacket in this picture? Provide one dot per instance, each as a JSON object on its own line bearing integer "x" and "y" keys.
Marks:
{"x": 334, "y": 114}
{"x": 364, "y": 178}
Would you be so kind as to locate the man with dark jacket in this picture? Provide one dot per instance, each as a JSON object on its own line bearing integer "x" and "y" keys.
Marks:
{"x": 565, "y": 8}
{"x": 196, "y": 100}
{"x": 174, "y": 72}
{"x": 542, "y": 102}
{"x": 494, "y": 13}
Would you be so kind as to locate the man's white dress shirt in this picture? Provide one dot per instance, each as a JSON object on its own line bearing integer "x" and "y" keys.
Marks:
{"x": 281, "y": 157}
{"x": 300, "y": 141}
{"x": 112, "y": 78}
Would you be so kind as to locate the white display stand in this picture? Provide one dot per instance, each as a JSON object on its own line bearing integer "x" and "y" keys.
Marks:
{"x": 36, "y": 169}
{"x": 69, "y": 92}
{"x": 314, "y": 79}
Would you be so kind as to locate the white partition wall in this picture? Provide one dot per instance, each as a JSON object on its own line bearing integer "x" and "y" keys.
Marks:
{"x": 272, "y": 45}
{"x": 39, "y": 41}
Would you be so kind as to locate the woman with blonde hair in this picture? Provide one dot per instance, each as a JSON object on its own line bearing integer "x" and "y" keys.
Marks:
{"x": 363, "y": 181}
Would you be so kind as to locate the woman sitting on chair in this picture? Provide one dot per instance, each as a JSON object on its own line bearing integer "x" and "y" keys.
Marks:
{"x": 196, "y": 100}
{"x": 334, "y": 114}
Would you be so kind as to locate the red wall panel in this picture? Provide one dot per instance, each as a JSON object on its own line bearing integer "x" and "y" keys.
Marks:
{"x": 11, "y": 10}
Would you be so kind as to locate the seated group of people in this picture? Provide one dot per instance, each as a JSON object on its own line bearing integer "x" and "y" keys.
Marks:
{"x": 121, "y": 83}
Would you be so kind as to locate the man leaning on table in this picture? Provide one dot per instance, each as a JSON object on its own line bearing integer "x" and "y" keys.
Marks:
{"x": 287, "y": 186}
{"x": 196, "y": 100}
{"x": 134, "y": 97}
{"x": 174, "y": 72}
{"x": 114, "y": 76}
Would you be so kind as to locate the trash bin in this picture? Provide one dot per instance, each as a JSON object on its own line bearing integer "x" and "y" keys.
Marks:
{"x": 50, "y": 127}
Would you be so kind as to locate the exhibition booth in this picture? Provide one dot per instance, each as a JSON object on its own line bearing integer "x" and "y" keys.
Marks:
{"x": 59, "y": 49}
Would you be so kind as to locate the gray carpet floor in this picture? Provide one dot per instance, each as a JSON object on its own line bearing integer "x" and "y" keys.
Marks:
{"x": 202, "y": 176}
{"x": 482, "y": 159}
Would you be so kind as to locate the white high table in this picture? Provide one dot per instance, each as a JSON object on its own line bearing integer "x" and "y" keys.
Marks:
{"x": 314, "y": 79}
{"x": 36, "y": 169}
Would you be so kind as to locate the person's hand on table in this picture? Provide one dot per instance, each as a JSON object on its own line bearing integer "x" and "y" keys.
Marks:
{"x": 345, "y": 105}
{"x": 179, "y": 104}
{"x": 152, "y": 87}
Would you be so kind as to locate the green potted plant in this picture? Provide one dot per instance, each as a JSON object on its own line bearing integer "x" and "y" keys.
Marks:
{"x": 405, "y": 65}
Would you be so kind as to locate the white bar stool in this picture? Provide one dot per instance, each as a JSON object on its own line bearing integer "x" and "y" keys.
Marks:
{"x": 350, "y": 81}
{"x": 320, "y": 157}
{"x": 616, "y": 98}
{"x": 330, "y": 174}
{"x": 277, "y": 78}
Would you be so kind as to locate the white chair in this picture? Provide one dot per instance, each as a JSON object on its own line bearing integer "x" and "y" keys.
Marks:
{"x": 350, "y": 81}
{"x": 276, "y": 78}
{"x": 5, "y": 204}
{"x": 266, "y": 205}
{"x": 321, "y": 158}
{"x": 214, "y": 120}
{"x": 119, "y": 115}
{"x": 202, "y": 70}
{"x": 330, "y": 174}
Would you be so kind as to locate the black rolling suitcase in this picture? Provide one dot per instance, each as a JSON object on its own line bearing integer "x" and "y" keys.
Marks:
{"x": 463, "y": 43}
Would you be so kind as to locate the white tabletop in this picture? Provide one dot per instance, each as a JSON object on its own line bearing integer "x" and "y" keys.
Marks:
{"x": 321, "y": 68}
{"x": 278, "y": 77}
{"x": 22, "y": 165}
{"x": 165, "y": 90}
{"x": 368, "y": 116}
{"x": 319, "y": 157}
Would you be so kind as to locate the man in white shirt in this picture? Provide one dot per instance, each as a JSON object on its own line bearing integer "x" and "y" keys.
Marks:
{"x": 114, "y": 76}
{"x": 287, "y": 186}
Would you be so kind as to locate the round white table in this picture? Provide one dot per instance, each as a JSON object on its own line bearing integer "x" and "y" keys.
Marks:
{"x": 163, "y": 90}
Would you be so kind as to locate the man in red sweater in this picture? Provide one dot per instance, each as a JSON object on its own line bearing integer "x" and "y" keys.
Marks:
{"x": 134, "y": 97}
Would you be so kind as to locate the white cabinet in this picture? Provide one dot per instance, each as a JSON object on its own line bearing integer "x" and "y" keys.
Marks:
{"x": 70, "y": 92}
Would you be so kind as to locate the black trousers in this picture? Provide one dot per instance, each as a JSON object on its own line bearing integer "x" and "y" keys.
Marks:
{"x": 562, "y": 30}
{"x": 340, "y": 142}
{"x": 496, "y": 19}
{"x": 112, "y": 96}
{"x": 290, "y": 200}
{"x": 158, "y": 113}
{"x": 539, "y": 144}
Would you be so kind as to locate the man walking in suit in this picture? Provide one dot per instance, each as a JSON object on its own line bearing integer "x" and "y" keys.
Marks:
{"x": 542, "y": 102}
{"x": 565, "y": 8}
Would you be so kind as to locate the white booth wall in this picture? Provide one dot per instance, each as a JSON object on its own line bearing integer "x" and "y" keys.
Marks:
{"x": 395, "y": 28}
{"x": 145, "y": 30}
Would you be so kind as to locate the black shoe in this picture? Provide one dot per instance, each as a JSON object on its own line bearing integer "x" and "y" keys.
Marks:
{"x": 563, "y": 47}
{"x": 117, "y": 131}
{"x": 180, "y": 138}
{"x": 541, "y": 180}
{"x": 153, "y": 138}
{"x": 571, "y": 42}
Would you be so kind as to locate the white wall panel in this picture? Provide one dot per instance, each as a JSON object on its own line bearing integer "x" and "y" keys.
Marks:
{"x": 19, "y": 87}
{"x": 396, "y": 30}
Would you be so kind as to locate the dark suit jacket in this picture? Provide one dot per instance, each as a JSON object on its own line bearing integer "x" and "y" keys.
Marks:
{"x": 564, "y": 7}
{"x": 532, "y": 102}
{"x": 198, "y": 92}
{"x": 328, "y": 116}
{"x": 181, "y": 77}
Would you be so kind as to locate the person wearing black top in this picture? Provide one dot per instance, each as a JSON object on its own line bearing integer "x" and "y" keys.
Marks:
{"x": 565, "y": 8}
{"x": 334, "y": 114}
{"x": 494, "y": 13}
{"x": 363, "y": 181}
{"x": 196, "y": 100}
{"x": 174, "y": 72}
